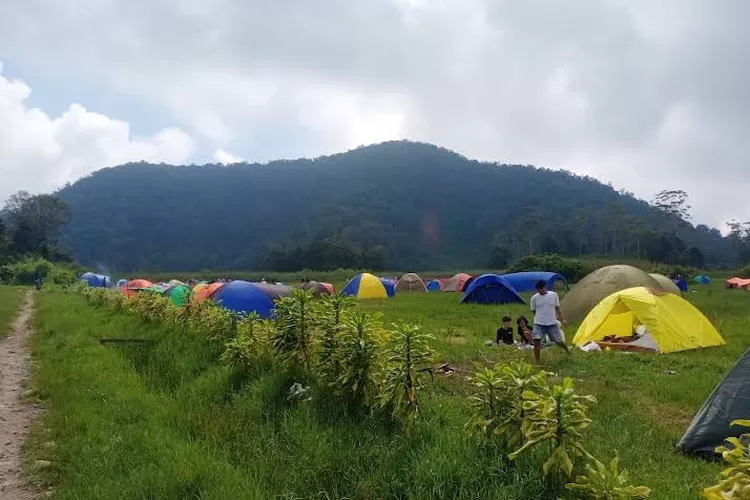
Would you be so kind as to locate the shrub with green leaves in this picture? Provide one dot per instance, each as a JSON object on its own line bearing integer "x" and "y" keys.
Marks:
{"x": 557, "y": 416}
{"x": 408, "y": 352}
{"x": 297, "y": 319}
{"x": 250, "y": 344}
{"x": 606, "y": 483}
{"x": 333, "y": 309}
{"x": 498, "y": 403}
{"x": 734, "y": 481}
{"x": 357, "y": 358}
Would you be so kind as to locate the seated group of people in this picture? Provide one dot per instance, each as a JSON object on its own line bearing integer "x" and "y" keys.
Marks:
{"x": 505, "y": 332}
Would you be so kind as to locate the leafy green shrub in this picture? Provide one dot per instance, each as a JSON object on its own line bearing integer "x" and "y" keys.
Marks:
{"x": 297, "y": 318}
{"x": 24, "y": 272}
{"x": 556, "y": 416}
{"x": 498, "y": 403}
{"x": 251, "y": 342}
{"x": 734, "y": 481}
{"x": 572, "y": 269}
{"x": 333, "y": 310}
{"x": 743, "y": 272}
{"x": 357, "y": 357}
{"x": 407, "y": 353}
{"x": 606, "y": 483}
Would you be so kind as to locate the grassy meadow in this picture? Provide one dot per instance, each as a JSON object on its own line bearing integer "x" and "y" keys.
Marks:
{"x": 169, "y": 420}
{"x": 10, "y": 299}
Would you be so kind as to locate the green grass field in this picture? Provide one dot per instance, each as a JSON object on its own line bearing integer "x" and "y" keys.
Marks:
{"x": 10, "y": 299}
{"x": 171, "y": 421}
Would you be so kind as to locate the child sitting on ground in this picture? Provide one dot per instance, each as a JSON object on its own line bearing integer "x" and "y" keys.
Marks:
{"x": 505, "y": 332}
{"x": 524, "y": 332}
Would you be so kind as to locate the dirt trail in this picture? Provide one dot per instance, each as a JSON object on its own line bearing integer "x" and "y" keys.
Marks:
{"x": 15, "y": 415}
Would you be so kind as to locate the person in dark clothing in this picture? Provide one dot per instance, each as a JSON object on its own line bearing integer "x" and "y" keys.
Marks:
{"x": 524, "y": 332}
{"x": 505, "y": 332}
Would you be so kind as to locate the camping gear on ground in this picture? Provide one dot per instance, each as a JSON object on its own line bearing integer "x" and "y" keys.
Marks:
{"x": 526, "y": 281}
{"x": 317, "y": 288}
{"x": 365, "y": 286}
{"x": 390, "y": 286}
{"x": 411, "y": 282}
{"x": 491, "y": 289}
{"x": 435, "y": 286}
{"x": 179, "y": 295}
{"x": 666, "y": 284}
{"x": 600, "y": 284}
{"x": 702, "y": 279}
{"x": 135, "y": 286}
{"x": 457, "y": 283}
{"x": 729, "y": 401}
{"x": 673, "y": 323}
{"x": 95, "y": 280}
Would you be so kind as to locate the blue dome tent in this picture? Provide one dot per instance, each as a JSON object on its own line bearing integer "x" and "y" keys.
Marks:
{"x": 121, "y": 283}
{"x": 95, "y": 280}
{"x": 491, "y": 289}
{"x": 702, "y": 279}
{"x": 435, "y": 286}
{"x": 390, "y": 286}
{"x": 526, "y": 282}
{"x": 244, "y": 297}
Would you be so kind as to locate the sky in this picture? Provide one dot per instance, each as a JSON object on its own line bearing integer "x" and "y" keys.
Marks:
{"x": 643, "y": 95}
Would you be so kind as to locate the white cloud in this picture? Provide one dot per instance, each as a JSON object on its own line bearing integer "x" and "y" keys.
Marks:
{"x": 226, "y": 158}
{"x": 39, "y": 152}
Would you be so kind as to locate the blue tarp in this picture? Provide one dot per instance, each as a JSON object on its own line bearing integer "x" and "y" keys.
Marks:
{"x": 491, "y": 289}
{"x": 526, "y": 282}
{"x": 681, "y": 284}
{"x": 243, "y": 297}
{"x": 95, "y": 280}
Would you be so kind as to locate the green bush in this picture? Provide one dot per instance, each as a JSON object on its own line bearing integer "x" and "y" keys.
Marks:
{"x": 572, "y": 269}
{"x": 24, "y": 272}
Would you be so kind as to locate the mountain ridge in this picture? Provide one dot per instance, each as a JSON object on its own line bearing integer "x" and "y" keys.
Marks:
{"x": 419, "y": 205}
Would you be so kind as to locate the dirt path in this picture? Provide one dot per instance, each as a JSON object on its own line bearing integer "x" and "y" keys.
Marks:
{"x": 15, "y": 415}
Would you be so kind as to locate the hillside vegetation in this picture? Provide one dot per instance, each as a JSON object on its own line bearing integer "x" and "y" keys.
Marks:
{"x": 398, "y": 205}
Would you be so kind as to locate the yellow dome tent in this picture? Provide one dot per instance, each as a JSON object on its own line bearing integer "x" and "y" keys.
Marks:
{"x": 365, "y": 286}
{"x": 673, "y": 322}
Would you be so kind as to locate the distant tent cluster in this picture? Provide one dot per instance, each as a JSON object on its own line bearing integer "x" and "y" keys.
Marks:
{"x": 738, "y": 283}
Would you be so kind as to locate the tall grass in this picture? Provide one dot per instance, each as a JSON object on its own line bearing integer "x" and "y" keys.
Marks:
{"x": 10, "y": 300}
{"x": 168, "y": 420}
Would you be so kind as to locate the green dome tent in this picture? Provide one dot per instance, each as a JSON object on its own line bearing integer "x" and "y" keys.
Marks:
{"x": 178, "y": 294}
{"x": 600, "y": 284}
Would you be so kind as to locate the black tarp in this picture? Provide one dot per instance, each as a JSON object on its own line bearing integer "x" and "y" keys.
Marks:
{"x": 729, "y": 401}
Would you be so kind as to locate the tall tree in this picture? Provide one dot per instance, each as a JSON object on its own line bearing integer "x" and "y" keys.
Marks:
{"x": 36, "y": 221}
{"x": 674, "y": 203}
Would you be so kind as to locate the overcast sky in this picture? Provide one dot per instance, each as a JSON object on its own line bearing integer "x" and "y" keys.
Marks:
{"x": 645, "y": 95}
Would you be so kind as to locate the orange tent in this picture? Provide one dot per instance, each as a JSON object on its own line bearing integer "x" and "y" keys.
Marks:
{"x": 204, "y": 293}
{"x": 738, "y": 283}
{"x": 132, "y": 287}
{"x": 457, "y": 283}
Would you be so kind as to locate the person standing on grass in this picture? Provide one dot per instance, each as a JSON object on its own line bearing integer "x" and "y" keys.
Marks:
{"x": 546, "y": 308}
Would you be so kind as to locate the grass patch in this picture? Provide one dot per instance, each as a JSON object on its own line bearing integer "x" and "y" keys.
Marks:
{"x": 170, "y": 421}
{"x": 10, "y": 301}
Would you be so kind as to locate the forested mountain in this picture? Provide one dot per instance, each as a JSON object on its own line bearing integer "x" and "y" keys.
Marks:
{"x": 397, "y": 205}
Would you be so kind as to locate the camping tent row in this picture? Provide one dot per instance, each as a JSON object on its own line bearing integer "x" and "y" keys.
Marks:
{"x": 520, "y": 282}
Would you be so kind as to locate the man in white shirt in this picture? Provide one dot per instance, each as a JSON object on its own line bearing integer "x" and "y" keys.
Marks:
{"x": 546, "y": 307}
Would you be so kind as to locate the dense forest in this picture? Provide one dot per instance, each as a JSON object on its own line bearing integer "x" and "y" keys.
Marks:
{"x": 396, "y": 205}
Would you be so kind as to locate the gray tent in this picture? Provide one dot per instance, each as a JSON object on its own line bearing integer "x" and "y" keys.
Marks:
{"x": 729, "y": 401}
